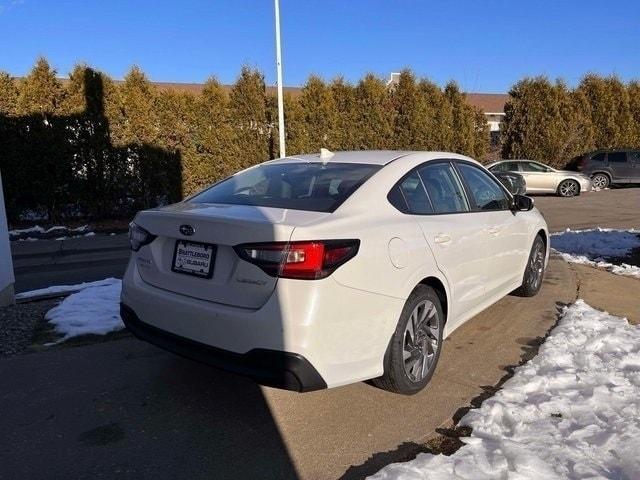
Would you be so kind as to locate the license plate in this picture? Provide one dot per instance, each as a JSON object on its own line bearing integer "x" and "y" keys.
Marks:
{"x": 194, "y": 258}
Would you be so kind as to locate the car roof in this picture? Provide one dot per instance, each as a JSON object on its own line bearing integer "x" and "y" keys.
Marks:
{"x": 371, "y": 157}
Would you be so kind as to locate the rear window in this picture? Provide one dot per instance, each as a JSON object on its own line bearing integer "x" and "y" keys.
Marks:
{"x": 295, "y": 185}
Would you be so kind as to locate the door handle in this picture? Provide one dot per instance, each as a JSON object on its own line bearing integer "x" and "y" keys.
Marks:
{"x": 442, "y": 239}
{"x": 494, "y": 230}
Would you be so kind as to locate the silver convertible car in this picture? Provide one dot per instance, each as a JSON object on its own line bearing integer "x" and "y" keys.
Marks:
{"x": 541, "y": 178}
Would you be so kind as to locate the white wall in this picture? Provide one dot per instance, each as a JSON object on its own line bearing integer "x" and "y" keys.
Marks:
{"x": 6, "y": 266}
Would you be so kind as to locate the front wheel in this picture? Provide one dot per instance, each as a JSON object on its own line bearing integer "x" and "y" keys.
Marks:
{"x": 414, "y": 349}
{"x": 534, "y": 272}
{"x": 568, "y": 188}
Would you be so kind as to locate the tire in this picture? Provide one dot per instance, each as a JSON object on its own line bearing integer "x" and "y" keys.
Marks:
{"x": 534, "y": 271}
{"x": 568, "y": 188}
{"x": 409, "y": 362}
{"x": 600, "y": 181}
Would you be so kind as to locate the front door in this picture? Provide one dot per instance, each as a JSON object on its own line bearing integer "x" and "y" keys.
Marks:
{"x": 537, "y": 177}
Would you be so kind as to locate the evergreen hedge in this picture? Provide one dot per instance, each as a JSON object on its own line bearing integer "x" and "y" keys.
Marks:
{"x": 92, "y": 147}
{"x": 555, "y": 124}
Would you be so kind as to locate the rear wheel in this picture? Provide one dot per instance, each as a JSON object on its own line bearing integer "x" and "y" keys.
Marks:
{"x": 534, "y": 273}
{"x": 568, "y": 188}
{"x": 414, "y": 350}
{"x": 600, "y": 181}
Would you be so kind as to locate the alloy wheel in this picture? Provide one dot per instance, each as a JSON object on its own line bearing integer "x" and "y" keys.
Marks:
{"x": 569, "y": 189}
{"x": 421, "y": 341}
{"x": 536, "y": 266}
{"x": 600, "y": 181}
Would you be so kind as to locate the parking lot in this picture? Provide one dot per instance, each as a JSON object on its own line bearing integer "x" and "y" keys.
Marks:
{"x": 125, "y": 409}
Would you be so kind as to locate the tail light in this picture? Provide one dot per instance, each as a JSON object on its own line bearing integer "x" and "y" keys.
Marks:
{"x": 138, "y": 237}
{"x": 309, "y": 260}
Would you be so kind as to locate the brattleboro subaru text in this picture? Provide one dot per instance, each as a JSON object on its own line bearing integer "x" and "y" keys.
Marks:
{"x": 321, "y": 270}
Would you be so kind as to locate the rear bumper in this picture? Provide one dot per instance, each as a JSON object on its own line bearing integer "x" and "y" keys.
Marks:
{"x": 272, "y": 368}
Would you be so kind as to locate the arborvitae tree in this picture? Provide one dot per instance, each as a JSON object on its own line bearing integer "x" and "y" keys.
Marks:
{"x": 373, "y": 115}
{"x": 44, "y": 153}
{"x": 439, "y": 132}
{"x": 633, "y": 89}
{"x": 212, "y": 152}
{"x": 464, "y": 123}
{"x": 8, "y": 94}
{"x": 610, "y": 114}
{"x": 344, "y": 99}
{"x": 320, "y": 115}
{"x": 9, "y": 159}
{"x": 248, "y": 119}
{"x": 40, "y": 91}
{"x": 417, "y": 117}
{"x": 481, "y": 135}
{"x": 156, "y": 172}
{"x": 572, "y": 133}
{"x": 96, "y": 178}
{"x": 296, "y": 135}
{"x": 546, "y": 122}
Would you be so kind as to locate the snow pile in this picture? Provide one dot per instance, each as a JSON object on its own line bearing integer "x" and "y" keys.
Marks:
{"x": 66, "y": 288}
{"x": 597, "y": 246}
{"x": 93, "y": 310}
{"x": 571, "y": 412}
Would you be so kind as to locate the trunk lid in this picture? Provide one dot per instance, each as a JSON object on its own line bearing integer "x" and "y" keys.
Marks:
{"x": 233, "y": 281}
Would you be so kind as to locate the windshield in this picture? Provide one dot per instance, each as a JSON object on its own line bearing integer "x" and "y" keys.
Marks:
{"x": 299, "y": 186}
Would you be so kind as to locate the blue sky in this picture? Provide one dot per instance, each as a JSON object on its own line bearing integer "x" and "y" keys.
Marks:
{"x": 483, "y": 45}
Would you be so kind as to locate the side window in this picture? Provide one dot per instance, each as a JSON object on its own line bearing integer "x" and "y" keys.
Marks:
{"x": 414, "y": 194}
{"x": 617, "y": 157}
{"x": 500, "y": 167}
{"x": 444, "y": 188}
{"x": 487, "y": 194}
{"x": 598, "y": 157}
{"x": 634, "y": 157}
{"x": 511, "y": 166}
{"x": 533, "y": 167}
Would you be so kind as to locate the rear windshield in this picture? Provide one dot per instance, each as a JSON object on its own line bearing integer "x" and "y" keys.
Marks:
{"x": 298, "y": 186}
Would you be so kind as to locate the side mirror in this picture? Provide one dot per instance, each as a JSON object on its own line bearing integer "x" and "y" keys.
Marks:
{"x": 522, "y": 203}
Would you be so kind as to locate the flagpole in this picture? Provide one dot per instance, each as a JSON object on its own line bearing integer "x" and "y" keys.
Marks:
{"x": 279, "y": 69}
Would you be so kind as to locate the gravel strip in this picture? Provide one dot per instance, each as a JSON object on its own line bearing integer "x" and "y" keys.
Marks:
{"x": 18, "y": 324}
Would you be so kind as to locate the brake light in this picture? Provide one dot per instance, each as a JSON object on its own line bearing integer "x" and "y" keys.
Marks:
{"x": 309, "y": 260}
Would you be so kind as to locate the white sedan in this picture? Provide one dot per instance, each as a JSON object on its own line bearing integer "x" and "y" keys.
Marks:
{"x": 322, "y": 270}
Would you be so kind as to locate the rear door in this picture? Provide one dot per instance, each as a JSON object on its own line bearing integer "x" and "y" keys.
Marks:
{"x": 634, "y": 160}
{"x": 457, "y": 240}
{"x": 621, "y": 169}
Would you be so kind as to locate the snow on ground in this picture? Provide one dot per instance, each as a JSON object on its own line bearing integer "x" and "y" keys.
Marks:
{"x": 597, "y": 246}
{"x": 572, "y": 412}
{"x": 19, "y": 234}
{"x": 93, "y": 310}
{"x": 66, "y": 288}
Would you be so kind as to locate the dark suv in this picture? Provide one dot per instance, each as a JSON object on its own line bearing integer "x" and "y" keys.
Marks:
{"x": 611, "y": 166}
